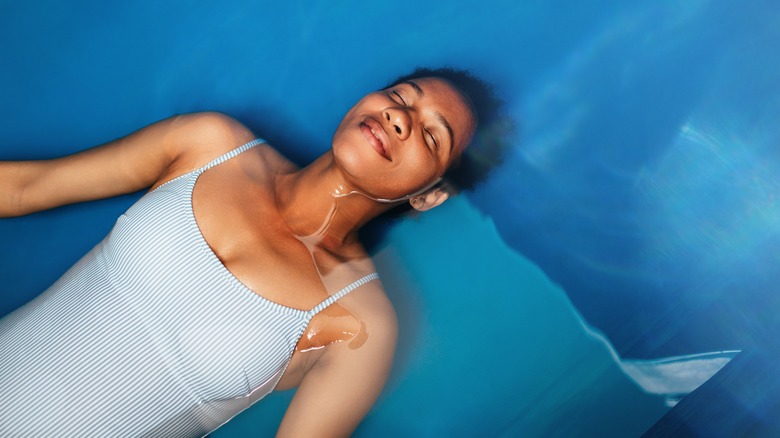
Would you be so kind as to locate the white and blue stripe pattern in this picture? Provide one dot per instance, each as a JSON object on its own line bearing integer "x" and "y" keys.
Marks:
{"x": 147, "y": 335}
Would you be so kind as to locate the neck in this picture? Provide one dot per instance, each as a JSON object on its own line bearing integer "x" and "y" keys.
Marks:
{"x": 306, "y": 202}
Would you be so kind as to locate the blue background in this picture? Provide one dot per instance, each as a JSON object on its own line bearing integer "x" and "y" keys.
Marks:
{"x": 639, "y": 198}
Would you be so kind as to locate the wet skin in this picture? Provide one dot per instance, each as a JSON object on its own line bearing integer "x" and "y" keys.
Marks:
{"x": 294, "y": 268}
{"x": 278, "y": 229}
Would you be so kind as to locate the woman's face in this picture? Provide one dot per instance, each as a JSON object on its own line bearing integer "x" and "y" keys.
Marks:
{"x": 396, "y": 141}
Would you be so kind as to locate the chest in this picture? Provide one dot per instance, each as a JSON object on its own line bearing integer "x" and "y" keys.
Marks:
{"x": 241, "y": 225}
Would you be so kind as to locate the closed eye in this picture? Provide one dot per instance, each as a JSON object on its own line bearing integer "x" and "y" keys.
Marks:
{"x": 403, "y": 102}
{"x": 433, "y": 139}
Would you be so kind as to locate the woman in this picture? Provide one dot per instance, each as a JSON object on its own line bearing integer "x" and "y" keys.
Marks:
{"x": 236, "y": 274}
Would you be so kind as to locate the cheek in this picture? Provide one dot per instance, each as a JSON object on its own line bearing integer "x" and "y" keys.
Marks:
{"x": 417, "y": 171}
{"x": 349, "y": 146}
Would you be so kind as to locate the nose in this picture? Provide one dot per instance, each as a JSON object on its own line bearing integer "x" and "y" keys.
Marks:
{"x": 399, "y": 121}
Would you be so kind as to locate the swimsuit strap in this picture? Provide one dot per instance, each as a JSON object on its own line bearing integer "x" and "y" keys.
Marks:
{"x": 228, "y": 155}
{"x": 331, "y": 299}
{"x": 349, "y": 288}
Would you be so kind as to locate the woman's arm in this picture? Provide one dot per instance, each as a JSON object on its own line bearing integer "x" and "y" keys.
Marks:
{"x": 339, "y": 390}
{"x": 137, "y": 161}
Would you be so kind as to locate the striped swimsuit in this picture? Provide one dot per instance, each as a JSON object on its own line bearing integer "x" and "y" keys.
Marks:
{"x": 147, "y": 335}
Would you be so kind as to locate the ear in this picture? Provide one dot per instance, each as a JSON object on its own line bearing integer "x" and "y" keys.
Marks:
{"x": 429, "y": 199}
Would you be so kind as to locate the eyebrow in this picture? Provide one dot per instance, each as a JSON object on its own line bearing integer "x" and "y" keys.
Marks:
{"x": 417, "y": 89}
{"x": 439, "y": 116}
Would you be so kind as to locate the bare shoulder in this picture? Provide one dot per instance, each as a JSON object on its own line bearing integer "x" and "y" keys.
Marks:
{"x": 369, "y": 300}
{"x": 355, "y": 370}
{"x": 200, "y": 137}
{"x": 372, "y": 307}
{"x": 380, "y": 309}
{"x": 209, "y": 129}
{"x": 203, "y": 136}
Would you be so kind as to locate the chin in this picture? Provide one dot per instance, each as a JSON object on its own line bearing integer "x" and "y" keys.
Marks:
{"x": 351, "y": 160}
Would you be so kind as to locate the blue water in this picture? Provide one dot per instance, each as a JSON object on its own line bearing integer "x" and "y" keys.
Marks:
{"x": 640, "y": 194}
{"x": 489, "y": 346}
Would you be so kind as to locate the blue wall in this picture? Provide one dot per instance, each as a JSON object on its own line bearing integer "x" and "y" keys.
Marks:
{"x": 642, "y": 177}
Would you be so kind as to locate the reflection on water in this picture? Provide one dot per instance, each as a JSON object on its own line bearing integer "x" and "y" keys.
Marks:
{"x": 646, "y": 176}
{"x": 676, "y": 377}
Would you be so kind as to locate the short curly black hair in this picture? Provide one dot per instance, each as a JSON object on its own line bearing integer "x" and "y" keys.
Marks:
{"x": 487, "y": 147}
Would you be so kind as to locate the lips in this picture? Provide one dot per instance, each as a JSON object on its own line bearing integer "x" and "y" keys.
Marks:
{"x": 376, "y": 136}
